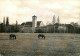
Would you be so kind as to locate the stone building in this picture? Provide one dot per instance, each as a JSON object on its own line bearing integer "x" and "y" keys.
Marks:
{"x": 30, "y": 27}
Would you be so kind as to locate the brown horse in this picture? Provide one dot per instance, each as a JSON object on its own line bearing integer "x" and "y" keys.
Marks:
{"x": 12, "y": 36}
{"x": 41, "y": 35}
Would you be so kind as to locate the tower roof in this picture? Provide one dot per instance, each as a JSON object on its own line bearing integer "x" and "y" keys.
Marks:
{"x": 34, "y": 16}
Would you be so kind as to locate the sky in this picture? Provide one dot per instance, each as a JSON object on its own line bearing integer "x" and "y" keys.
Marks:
{"x": 23, "y": 10}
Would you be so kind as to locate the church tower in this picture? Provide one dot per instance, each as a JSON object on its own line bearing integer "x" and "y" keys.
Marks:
{"x": 34, "y": 23}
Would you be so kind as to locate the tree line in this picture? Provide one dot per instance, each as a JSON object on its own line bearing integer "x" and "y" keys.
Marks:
{"x": 7, "y": 28}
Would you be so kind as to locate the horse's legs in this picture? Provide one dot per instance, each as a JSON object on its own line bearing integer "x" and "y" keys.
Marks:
{"x": 10, "y": 38}
{"x": 44, "y": 37}
{"x": 15, "y": 37}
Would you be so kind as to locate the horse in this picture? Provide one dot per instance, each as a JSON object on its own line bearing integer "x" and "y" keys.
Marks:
{"x": 12, "y": 36}
{"x": 41, "y": 35}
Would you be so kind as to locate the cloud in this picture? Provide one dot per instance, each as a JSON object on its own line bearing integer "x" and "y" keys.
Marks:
{"x": 23, "y": 10}
{"x": 53, "y": 5}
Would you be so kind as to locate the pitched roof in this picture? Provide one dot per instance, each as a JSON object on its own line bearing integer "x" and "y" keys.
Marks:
{"x": 38, "y": 22}
{"x": 30, "y": 23}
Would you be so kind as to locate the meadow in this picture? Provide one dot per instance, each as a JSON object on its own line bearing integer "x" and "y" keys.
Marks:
{"x": 28, "y": 44}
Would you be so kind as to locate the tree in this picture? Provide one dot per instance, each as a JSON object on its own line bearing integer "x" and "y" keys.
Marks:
{"x": 12, "y": 28}
{"x": 7, "y": 21}
{"x": 53, "y": 22}
{"x": 4, "y": 24}
{"x": 16, "y": 27}
{"x": 4, "y": 21}
{"x": 58, "y": 21}
{"x": 75, "y": 26}
{"x": 39, "y": 31}
{"x": 2, "y": 29}
{"x": 23, "y": 23}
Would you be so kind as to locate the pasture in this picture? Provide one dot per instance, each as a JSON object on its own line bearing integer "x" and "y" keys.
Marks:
{"x": 28, "y": 44}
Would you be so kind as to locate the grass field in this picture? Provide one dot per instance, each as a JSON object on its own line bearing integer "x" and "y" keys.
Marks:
{"x": 28, "y": 44}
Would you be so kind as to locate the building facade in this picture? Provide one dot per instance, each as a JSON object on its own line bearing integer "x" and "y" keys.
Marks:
{"x": 30, "y": 27}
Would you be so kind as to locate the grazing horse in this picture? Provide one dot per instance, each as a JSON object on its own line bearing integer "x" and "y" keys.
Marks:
{"x": 41, "y": 35}
{"x": 12, "y": 36}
